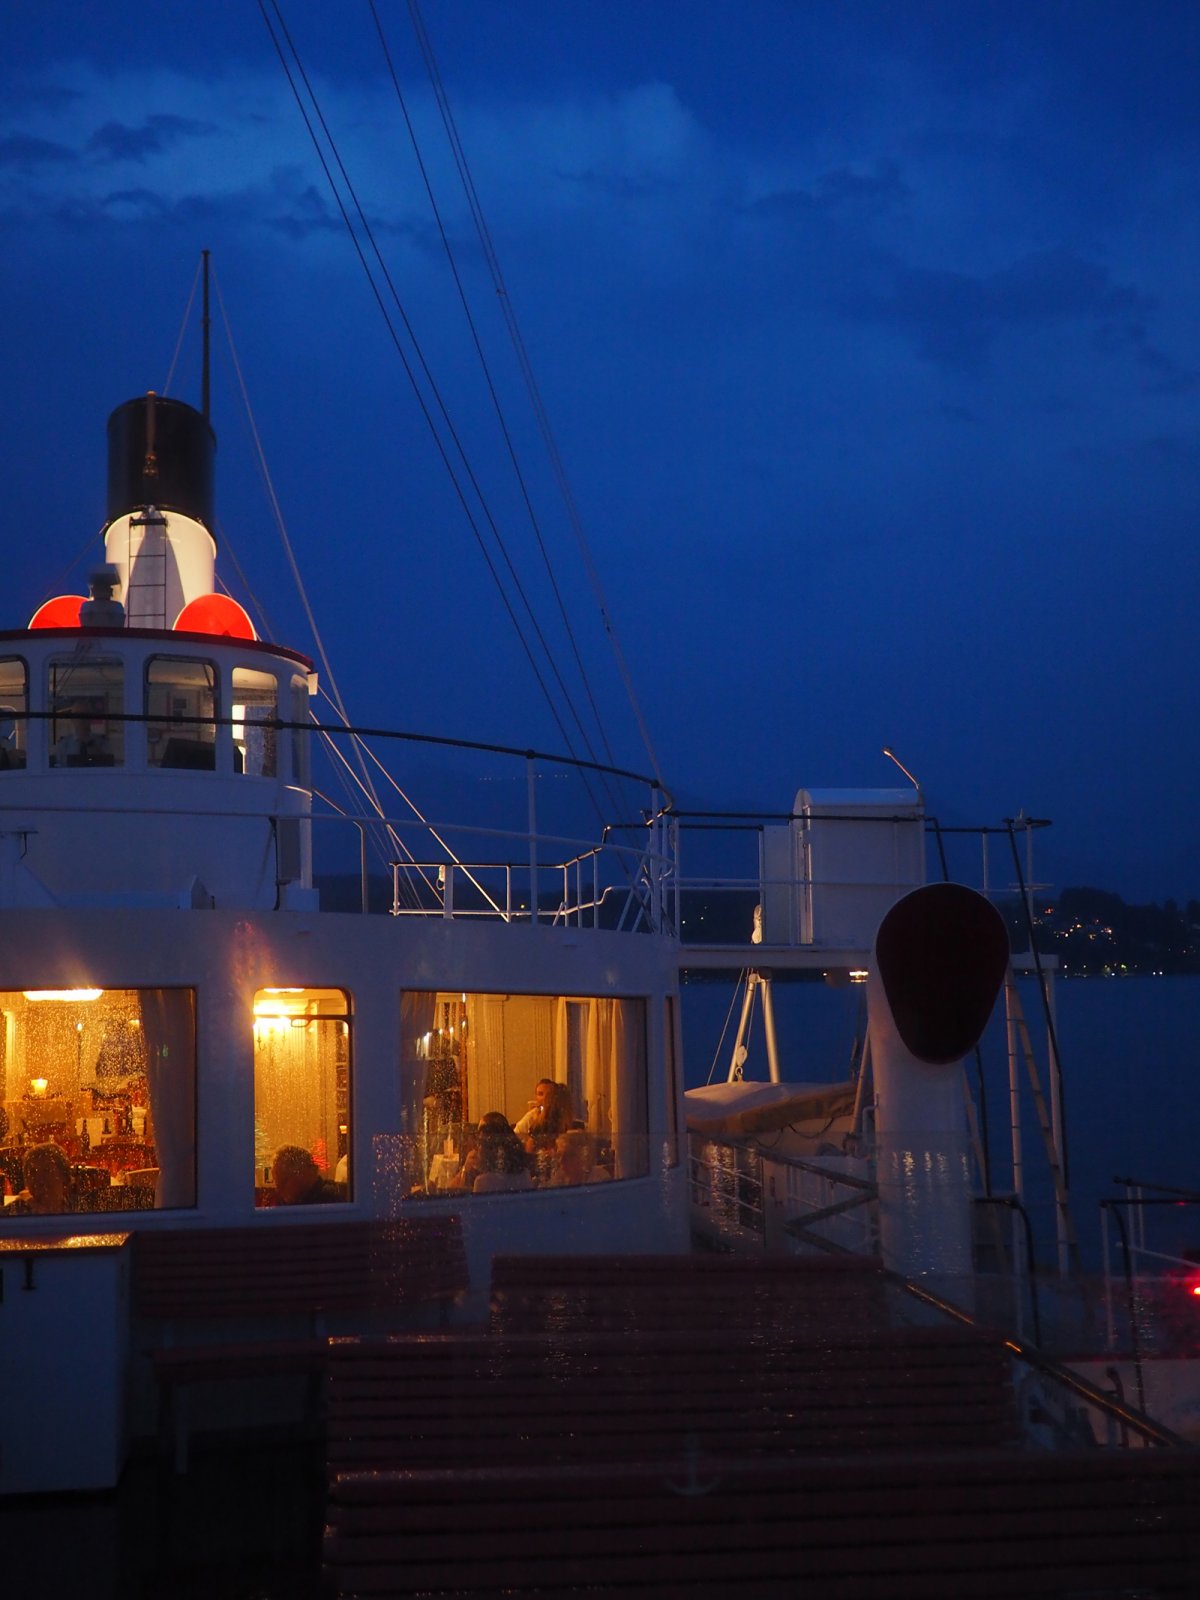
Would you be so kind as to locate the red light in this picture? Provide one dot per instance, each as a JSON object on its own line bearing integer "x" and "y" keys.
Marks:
{"x": 61, "y": 612}
{"x": 215, "y": 613}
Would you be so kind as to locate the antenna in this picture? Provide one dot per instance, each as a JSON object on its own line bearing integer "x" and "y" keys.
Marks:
{"x": 204, "y": 325}
{"x": 892, "y": 756}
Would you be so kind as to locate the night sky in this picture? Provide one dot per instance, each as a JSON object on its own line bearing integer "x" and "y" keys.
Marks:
{"x": 868, "y": 333}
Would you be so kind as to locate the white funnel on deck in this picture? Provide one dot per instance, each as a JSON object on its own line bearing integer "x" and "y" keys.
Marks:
{"x": 940, "y": 958}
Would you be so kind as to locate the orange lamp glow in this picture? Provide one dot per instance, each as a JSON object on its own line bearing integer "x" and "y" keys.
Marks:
{"x": 215, "y": 613}
{"x": 61, "y": 612}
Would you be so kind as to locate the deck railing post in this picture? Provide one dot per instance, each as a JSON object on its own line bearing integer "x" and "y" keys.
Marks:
{"x": 531, "y": 786}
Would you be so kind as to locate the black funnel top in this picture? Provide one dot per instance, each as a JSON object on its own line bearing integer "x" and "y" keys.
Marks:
{"x": 160, "y": 453}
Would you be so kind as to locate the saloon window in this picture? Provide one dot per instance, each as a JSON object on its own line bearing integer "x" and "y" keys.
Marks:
{"x": 255, "y": 710}
{"x": 99, "y": 1100}
{"x": 14, "y": 702}
{"x": 87, "y": 704}
{"x": 301, "y": 1096}
{"x": 548, "y": 1065}
{"x": 181, "y": 707}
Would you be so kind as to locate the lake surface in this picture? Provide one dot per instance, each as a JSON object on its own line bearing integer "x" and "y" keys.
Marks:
{"x": 1130, "y": 1051}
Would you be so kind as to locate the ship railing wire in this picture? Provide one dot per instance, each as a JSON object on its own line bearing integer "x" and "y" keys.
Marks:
{"x": 787, "y": 910}
{"x": 543, "y": 876}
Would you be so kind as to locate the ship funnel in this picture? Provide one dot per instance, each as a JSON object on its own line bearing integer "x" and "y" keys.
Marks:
{"x": 160, "y": 453}
{"x": 941, "y": 954}
{"x": 160, "y": 508}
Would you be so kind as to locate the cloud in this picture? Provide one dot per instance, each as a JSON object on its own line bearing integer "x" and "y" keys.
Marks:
{"x": 1162, "y": 374}
{"x": 26, "y": 151}
{"x": 841, "y": 191}
{"x": 956, "y": 317}
{"x": 117, "y": 141}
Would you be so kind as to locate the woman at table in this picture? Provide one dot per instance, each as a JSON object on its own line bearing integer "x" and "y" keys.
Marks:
{"x": 47, "y": 1191}
{"x": 499, "y": 1158}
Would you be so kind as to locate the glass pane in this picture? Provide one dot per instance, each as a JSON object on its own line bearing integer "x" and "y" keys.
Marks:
{"x": 525, "y": 1091}
{"x": 178, "y": 691}
{"x": 255, "y": 702}
{"x": 86, "y": 694}
{"x": 300, "y": 736}
{"x": 99, "y": 1108}
{"x": 13, "y": 705}
{"x": 301, "y": 1096}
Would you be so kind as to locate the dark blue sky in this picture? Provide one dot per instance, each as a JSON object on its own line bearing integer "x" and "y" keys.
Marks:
{"x": 868, "y": 332}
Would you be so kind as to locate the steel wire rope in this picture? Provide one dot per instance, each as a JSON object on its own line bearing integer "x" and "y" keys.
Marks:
{"x": 345, "y": 773}
{"x": 494, "y": 396}
{"x": 429, "y": 379}
{"x": 64, "y": 573}
{"x": 187, "y": 313}
{"x": 334, "y": 698}
{"x": 737, "y": 989}
{"x": 556, "y": 462}
{"x": 281, "y": 525}
{"x": 434, "y": 834}
{"x": 348, "y": 777}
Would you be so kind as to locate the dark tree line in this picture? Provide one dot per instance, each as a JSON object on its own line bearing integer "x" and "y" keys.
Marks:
{"x": 1093, "y": 931}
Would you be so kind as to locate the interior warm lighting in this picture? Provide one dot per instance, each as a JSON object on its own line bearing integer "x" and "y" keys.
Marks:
{"x": 38, "y": 1086}
{"x": 283, "y": 991}
{"x": 280, "y": 1008}
{"x": 62, "y": 994}
{"x": 858, "y": 975}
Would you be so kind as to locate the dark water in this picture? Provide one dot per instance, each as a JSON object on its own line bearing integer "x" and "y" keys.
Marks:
{"x": 1130, "y": 1051}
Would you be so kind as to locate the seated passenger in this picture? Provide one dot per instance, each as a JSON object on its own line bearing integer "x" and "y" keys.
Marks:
{"x": 298, "y": 1181}
{"x": 498, "y": 1158}
{"x": 47, "y": 1191}
{"x": 573, "y": 1160}
{"x": 551, "y": 1114}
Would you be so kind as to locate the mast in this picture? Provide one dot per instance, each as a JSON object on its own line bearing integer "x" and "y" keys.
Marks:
{"x": 205, "y": 321}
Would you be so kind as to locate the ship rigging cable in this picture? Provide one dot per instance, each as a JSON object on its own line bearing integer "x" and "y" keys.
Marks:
{"x": 535, "y": 397}
{"x": 483, "y": 361}
{"x": 412, "y": 376}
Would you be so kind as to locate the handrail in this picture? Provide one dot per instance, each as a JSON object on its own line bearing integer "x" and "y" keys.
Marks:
{"x": 1150, "y": 1430}
{"x": 1030, "y": 1354}
{"x": 280, "y": 724}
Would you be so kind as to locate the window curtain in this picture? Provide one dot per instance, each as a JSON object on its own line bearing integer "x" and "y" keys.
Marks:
{"x": 615, "y": 1077}
{"x": 169, "y": 1024}
{"x": 486, "y": 1089}
{"x": 561, "y": 1057}
{"x": 417, "y": 1010}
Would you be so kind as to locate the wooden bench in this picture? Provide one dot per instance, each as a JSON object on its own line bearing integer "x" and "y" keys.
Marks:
{"x": 794, "y": 1295}
{"x": 998, "y": 1524}
{"x": 477, "y": 1400}
{"x": 257, "y": 1300}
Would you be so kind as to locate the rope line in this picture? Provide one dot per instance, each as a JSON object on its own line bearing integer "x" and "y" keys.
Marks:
{"x": 494, "y": 396}
{"x": 367, "y": 231}
{"x": 539, "y": 409}
{"x": 166, "y": 388}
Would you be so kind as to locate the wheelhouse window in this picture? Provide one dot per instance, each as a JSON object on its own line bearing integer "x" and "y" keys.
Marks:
{"x": 525, "y": 1091}
{"x": 99, "y": 1109}
{"x": 181, "y": 707}
{"x": 14, "y": 703}
{"x": 87, "y": 703}
{"x": 301, "y": 1096}
{"x": 255, "y": 707}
